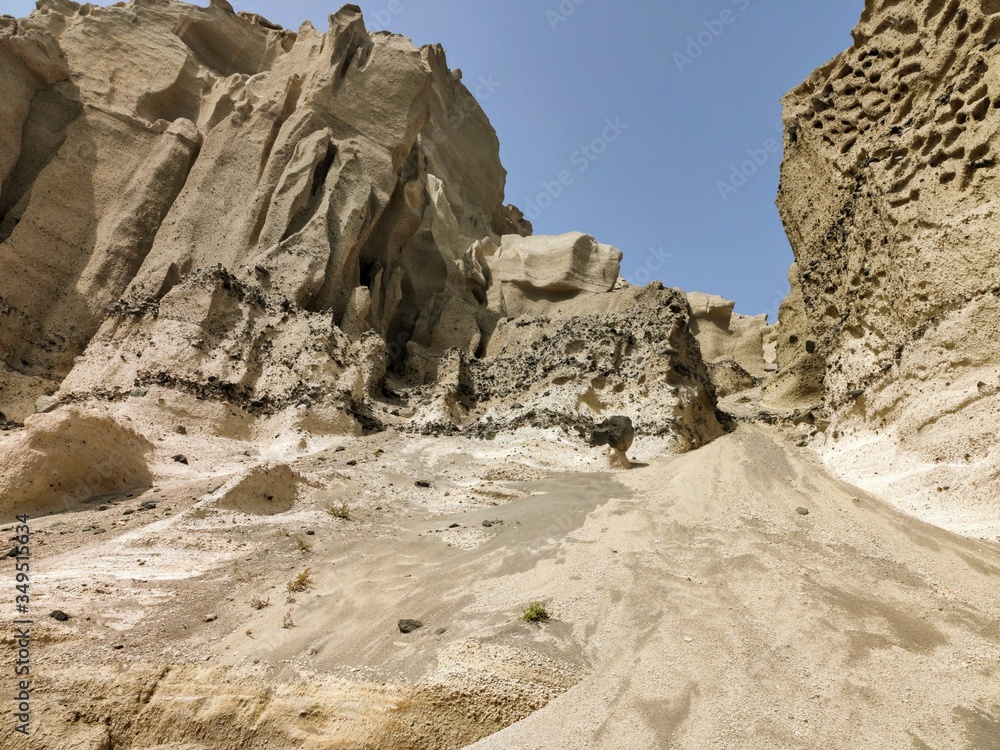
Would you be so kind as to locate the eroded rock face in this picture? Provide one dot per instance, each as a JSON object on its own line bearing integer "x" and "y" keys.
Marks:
{"x": 304, "y": 226}
{"x": 631, "y": 353}
{"x": 534, "y": 271}
{"x": 738, "y": 349}
{"x": 309, "y": 165}
{"x": 889, "y": 194}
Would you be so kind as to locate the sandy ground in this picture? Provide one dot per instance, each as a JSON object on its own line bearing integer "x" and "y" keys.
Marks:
{"x": 693, "y": 606}
{"x": 956, "y": 495}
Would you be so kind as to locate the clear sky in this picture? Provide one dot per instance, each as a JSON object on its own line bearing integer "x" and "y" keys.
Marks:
{"x": 691, "y": 87}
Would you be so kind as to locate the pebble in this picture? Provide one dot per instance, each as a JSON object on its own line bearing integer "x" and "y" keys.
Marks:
{"x": 802, "y": 511}
{"x": 211, "y": 618}
{"x": 352, "y": 462}
{"x": 180, "y": 458}
{"x": 408, "y": 626}
{"x": 422, "y": 483}
{"x": 310, "y": 532}
{"x": 58, "y": 614}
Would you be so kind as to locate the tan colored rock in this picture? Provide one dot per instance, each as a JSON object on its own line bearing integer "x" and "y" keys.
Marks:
{"x": 889, "y": 193}
{"x": 631, "y": 353}
{"x": 538, "y": 270}
{"x": 306, "y": 164}
{"x": 725, "y": 335}
{"x": 279, "y": 222}
{"x": 356, "y": 316}
{"x": 63, "y": 459}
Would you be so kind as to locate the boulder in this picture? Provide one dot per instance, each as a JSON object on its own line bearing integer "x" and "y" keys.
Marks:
{"x": 265, "y": 490}
{"x": 540, "y": 269}
{"x": 616, "y": 432}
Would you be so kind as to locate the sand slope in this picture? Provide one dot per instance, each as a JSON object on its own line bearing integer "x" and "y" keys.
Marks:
{"x": 693, "y": 607}
{"x": 714, "y": 615}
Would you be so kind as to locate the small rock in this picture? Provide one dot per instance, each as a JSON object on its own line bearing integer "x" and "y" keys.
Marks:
{"x": 139, "y": 392}
{"x": 128, "y": 511}
{"x": 440, "y": 631}
{"x": 211, "y": 618}
{"x": 88, "y": 528}
{"x": 149, "y": 505}
{"x": 104, "y": 507}
{"x": 487, "y": 523}
{"x": 100, "y": 531}
{"x": 180, "y": 458}
{"x": 310, "y": 532}
{"x": 58, "y": 614}
{"x": 118, "y": 646}
{"x": 339, "y": 449}
{"x": 352, "y": 462}
{"x": 45, "y": 404}
{"x": 617, "y": 432}
{"x": 422, "y": 483}
{"x": 455, "y": 526}
{"x": 802, "y": 511}
{"x": 408, "y": 626}
{"x": 181, "y": 430}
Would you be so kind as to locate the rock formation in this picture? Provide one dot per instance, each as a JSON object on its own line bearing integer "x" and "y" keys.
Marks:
{"x": 280, "y": 220}
{"x": 738, "y": 349}
{"x": 889, "y": 196}
{"x": 313, "y": 165}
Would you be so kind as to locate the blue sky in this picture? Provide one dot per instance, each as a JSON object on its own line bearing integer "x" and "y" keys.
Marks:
{"x": 642, "y": 107}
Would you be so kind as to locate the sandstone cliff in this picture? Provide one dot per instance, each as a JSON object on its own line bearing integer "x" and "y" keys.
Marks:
{"x": 201, "y": 205}
{"x": 889, "y": 195}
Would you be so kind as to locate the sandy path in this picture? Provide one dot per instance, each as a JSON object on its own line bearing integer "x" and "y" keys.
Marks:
{"x": 693, "y": 606}
{"x": 726, "y": 619}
